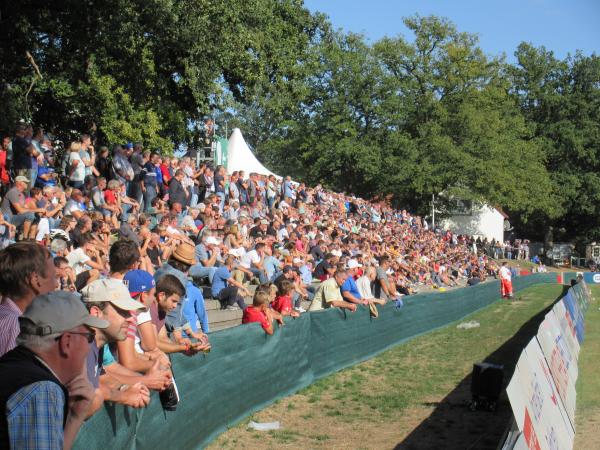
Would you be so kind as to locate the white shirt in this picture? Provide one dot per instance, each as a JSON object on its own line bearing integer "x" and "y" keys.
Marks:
{"x": 504, "y": 273}
{"x": 77, "y": 260}
{"x": 79, "y": 172}
{"x": 249, "y": 258}
{"x": 364, "y": 287}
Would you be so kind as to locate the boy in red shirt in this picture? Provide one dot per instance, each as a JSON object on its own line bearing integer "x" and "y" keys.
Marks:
{"x": 260, "y": 312}
{"x": 283, "y": 302}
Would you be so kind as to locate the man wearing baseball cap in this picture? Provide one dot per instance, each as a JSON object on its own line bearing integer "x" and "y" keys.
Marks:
{"x": 349, "y": 288}
{"x": 44, "y": 393}
{"x": 14, "y": 209}
{"x": 139, "y": 351}
{"x": 109, "y": 299}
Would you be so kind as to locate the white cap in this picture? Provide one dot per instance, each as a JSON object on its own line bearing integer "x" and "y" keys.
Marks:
{"x": 353, "y": 264}
{"x": 297, "y": 261}
{"x": 211, "y": 240}
{"x": 337, "y": 253}
{"x": 110, "y": 290}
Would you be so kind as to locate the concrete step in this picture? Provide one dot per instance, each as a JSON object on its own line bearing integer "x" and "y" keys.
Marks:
{"x": 223, "y": 325}
{"x": 212, "y": 304}
{"x": 216, "y": 316}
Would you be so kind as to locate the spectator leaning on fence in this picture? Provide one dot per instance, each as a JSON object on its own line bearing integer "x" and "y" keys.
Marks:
{"x": 109, "y": 300}
{"x": 260, "y": 312}
{"x": 329, "y": 295}
{"x": 45, "y": 395}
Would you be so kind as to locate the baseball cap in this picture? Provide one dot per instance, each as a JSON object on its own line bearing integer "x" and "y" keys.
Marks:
{"x": 138, "y": 281}
{"x": 211, "y": 240}
{"x": 264, "y": 222}
{"x": 353, "y": 264}
{"x": 110, "y": 290}
{"x": 22, "y": 179}
{"x": 297, "y": 261}
{"x": 56, "y": 312}
{"x": 337, "y": 253}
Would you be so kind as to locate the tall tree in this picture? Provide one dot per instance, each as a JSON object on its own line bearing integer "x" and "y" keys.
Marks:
{"x": 561, "y": 101}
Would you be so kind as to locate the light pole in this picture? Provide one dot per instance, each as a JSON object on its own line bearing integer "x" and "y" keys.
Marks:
{"x": 432, "y": 211}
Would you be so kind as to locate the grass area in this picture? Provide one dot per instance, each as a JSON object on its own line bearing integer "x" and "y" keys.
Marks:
{"x": 588, "y": 384}
{"x": 413, "y": 396}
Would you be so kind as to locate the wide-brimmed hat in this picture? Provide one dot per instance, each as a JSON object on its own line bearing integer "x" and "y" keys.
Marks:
{"x": 186, "y": 253}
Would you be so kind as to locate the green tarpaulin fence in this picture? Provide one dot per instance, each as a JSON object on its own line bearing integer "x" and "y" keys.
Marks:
{"x": 248, "y": 370}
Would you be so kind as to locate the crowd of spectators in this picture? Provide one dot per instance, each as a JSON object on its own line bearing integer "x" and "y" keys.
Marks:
{"x": 143, "y": 239}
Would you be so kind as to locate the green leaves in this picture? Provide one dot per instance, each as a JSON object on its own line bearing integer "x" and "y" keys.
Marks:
{"x": 405, "y": 116}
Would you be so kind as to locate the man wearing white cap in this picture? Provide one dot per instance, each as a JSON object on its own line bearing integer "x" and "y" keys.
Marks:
{"x": 349, "y": 289}
{"x": 110, "y": 300}
{"x": 206, "y": 253}
{"x": 45, "y": 393}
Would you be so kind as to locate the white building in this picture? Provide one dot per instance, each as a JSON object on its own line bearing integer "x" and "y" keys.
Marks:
{"x": 478, "y": 220}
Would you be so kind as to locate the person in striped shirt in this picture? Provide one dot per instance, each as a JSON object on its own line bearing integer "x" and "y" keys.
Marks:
{"x": 26, "y": 270}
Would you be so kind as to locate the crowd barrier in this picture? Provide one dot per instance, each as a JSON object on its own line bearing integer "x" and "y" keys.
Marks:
{"x": 588, "y": 277}
{"x": 247, "y": 370}
{"x": 542, "y": 389}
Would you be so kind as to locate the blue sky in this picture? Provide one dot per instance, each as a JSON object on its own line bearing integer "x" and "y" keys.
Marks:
{"x": 560, "y": 25}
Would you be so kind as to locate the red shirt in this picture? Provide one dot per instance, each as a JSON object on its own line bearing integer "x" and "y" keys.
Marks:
{"x": 164, "y": 169}
{"x": 252, "y": 314}
{"x": 282, "y": 304}
{"x": 110, "y": 197}
{"x": 4, "y": 178}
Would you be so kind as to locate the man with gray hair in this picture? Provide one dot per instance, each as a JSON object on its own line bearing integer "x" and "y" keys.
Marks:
{"x": 45, "y": 393}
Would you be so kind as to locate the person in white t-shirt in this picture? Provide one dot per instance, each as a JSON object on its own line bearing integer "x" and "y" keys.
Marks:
{"x": 85, "y": 267}
{"x": 505, "y": 281}
{"x": 254, "y": 262}
{"x": 75, "y": 166}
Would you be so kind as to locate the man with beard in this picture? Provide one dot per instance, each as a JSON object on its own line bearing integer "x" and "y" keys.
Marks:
{"x": 110, "y": 300}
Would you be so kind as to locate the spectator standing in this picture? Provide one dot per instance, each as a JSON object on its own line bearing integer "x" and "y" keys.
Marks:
{"x": 505, "y": 281}
{"x": 22, "y": 152}
{"x": 137, "y": 163}
{"x": 75, "y": 166}
{"x": 177, "y": 193}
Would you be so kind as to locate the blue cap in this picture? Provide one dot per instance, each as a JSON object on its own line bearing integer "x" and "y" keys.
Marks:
{"x": 138, "y": 281}
{"x": 129, "y": 145}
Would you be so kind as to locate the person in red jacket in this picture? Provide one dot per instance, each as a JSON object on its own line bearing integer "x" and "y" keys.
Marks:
{"x": 283, "y": 302}
{"x": 260, "y": 312}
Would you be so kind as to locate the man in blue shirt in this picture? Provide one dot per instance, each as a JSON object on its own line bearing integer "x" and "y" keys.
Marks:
{"x": 226, "y": 289}
{"x": 349, "y": 288}
{"x": 193, "y": 308}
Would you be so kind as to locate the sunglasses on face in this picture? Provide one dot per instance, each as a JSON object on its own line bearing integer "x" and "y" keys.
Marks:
{"x": 90, "y": 335}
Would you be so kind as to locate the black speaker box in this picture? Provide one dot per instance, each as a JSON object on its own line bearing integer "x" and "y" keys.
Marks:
{"x": 486, "y": 381}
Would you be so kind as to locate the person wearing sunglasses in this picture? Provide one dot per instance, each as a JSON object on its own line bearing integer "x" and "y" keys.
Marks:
{"x": 109, "y": 299}
{"x": 45, "y": 393}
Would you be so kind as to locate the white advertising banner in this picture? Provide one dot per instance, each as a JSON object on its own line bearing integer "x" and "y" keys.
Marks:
{"x": 536, "y": 404}
{"x": 567, "y": 328}
{"x": 562, "y": 364}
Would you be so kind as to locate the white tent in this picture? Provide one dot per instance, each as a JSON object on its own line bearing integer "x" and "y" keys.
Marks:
{"x": 240, "y": 157}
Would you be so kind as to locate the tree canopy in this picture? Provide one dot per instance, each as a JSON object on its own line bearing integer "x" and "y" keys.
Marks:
{"x": 404, "y": 117}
